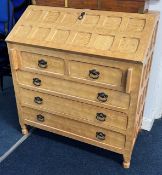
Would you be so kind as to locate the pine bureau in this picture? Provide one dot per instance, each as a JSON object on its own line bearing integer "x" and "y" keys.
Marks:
{"x": 83, "y": 74}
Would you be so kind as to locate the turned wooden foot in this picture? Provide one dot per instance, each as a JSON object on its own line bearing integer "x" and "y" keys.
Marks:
{"x": 25, "y": 130}
{"x": 127, "y": 159}
{"x": 126, "y": 164}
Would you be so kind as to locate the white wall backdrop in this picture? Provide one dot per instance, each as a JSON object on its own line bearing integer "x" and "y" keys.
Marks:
{"x": 153, "y": 108}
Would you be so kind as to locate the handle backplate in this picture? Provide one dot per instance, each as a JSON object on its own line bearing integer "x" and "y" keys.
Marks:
{"x": 102, "y": 97}
{"x": 100, "y": 136}
{"x": 94, "y": 74}
{"x": 42, "y": 63}
{"x": 36, "y": 81}
{"x": 38, "y": 100}
{"x": 101, "y": 117}
{"x": 40, "y": 118}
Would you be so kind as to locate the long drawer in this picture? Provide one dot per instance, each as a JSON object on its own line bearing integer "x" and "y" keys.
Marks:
{"x": 73, "y": 127}
{"x": 106, "y": 97}
{"x": 79, "y": 111}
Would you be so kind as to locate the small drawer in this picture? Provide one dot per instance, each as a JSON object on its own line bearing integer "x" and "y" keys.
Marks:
{"x": 73, "y": 127}
{"x": 42, "y": 63}
{"x": 101, "y": 96}
{"x": 99, "y": 74}
{"x": 79, "y": 111}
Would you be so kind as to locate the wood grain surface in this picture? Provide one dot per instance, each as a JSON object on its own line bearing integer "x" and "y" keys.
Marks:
{"x": 134, "y": 6}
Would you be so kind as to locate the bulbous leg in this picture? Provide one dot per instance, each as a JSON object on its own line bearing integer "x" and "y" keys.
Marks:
{"x": 126, "y": 162}
{"x": 24, "y": 130}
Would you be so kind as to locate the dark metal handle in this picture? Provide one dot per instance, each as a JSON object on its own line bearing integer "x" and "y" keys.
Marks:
{"x": 40, "y": 118}
{"x": 36, "y": 81}
{"x": 81, "y": 15}
{"x": 100, "y": 136}
{"x": 101, "y": 117}
{"x": 94, "y": 74}
{"x": 38, "y": 100}
{"x": 102, "y": 97}
{"x": 42, "y": 63}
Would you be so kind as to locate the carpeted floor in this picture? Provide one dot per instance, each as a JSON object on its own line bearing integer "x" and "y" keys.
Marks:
{"x": 44, "y": 153}
{"x": 9, "y": 127}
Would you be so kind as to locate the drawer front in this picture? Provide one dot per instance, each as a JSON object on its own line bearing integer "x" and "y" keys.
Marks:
{"x": 111, "y": 99}
{"x": 42, "y": 63}
{"x": 72, "y": 109}
{"x": 74, "y": 127}
{"x": 99, "y": 74}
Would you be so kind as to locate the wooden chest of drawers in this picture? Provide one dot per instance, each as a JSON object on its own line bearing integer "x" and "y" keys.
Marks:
{"x": 83, "y": 74}
{"x": 134, "y": 6}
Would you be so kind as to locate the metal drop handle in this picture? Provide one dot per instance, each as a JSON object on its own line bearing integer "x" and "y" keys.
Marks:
{"x": 38, "y": 100}
{"x": 42, "y": 63}
{"x": 101, "y": 117}
{"x": 94, "y": 74}
{"x": 81, "y": 16}
{"x": 40, "y": 118}
{"x": 102, "y": 97}
{"x": 100, "y": 136}
{"x": 36, "y": 81}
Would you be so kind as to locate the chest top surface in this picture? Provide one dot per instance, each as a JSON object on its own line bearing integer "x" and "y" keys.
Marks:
{"x": 117, "y": 35}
